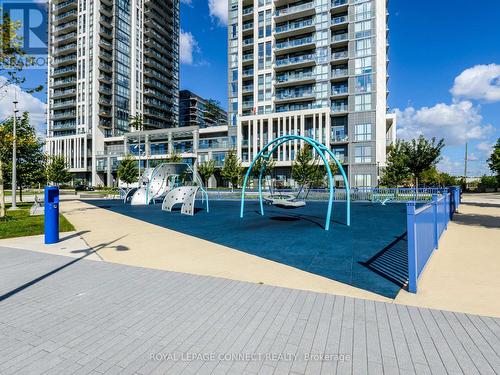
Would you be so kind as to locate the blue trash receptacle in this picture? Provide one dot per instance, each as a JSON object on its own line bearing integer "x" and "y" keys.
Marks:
{"x": 51, "y": 221}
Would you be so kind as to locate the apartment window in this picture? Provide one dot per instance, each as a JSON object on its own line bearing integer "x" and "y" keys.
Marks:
{"x": 363, "y": 132}
{"x": 363, "y": 154}
{"x": 362, "y": 180}
{"x": 269, "y": 54}
{"x": 363, "y": 83}
{"x": 363, "y": 102}
{"x": 363, "y": 65}
{"x": 268, "y": 22}
{"x": 261, "y": 55}
{"x": 363, "y": 47}
{"x": 363, "y": 29}
{"x": 363, "y": 11}
{"x": 268, "y": 85}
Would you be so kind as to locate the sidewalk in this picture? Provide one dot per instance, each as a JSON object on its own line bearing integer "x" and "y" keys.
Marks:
{"x": 82, "y": 317}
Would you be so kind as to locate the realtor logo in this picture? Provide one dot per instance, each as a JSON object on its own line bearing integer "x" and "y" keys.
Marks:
{"x": 30, "y": 20}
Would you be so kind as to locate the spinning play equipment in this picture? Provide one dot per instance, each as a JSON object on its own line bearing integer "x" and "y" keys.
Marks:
{"x": 321, "y": 150}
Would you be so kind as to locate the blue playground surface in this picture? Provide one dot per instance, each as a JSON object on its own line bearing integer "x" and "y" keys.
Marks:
{"x": 370, "y": 254}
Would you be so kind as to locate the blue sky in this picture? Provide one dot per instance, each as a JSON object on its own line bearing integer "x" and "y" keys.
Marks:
{"x": 431, "y": 44}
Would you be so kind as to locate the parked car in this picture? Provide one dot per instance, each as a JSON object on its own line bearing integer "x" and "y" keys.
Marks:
{"x": 81, "y": 187}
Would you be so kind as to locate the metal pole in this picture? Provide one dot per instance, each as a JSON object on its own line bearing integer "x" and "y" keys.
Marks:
{"x": 14, "y": 158}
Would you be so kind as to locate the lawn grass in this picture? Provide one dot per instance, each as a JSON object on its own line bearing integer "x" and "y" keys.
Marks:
{"x": 19, "y": 223}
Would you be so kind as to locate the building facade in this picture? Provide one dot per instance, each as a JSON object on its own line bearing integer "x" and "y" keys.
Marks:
{"x": 197, "y": 111}
{"x": 108, "y": 61}
{"x": 317, "y": 68}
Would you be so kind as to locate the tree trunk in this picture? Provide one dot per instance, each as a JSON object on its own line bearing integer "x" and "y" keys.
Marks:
{"x": 2, "y": 193}
{"x": 20, "y": 193}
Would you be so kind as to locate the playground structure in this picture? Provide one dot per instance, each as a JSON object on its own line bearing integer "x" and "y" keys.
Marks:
{"x": 291, "y": 201}
{"x": 165, "y": 181}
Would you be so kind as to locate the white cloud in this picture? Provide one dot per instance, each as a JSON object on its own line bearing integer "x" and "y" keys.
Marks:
{"x": 26, "y": 102}
{"x": 456, "y": 123}
{"x": 187, "y": 46}
{"x": 187, "y": 2}
{"x": 481, "y": 82}
{"x": 219, "y": 10}
{"x": 485, "y": 147}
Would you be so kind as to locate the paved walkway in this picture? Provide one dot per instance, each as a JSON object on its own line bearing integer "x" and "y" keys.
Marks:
{"x": 464, "y": 273}
{"x": 70, "y": 316}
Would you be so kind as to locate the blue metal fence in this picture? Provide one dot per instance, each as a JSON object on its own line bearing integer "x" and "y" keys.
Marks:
{"x": 425, "y": 225}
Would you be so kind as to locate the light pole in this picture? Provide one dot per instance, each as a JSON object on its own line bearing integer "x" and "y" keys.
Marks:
{"x": 14, "y": 157}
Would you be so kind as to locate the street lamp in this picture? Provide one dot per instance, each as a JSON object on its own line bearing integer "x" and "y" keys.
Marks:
{"x": 14, "y": 156}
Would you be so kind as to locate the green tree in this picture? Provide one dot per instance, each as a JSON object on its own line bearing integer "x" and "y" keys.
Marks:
{"x": 489, "y": 182}
{"x": 422, "y": 154}
{"x": 57, "y": 170}
{"x": 127, "y": 170}
{"x": 232, "y": 171}
{"x": 174, "y": 158}
{"x": 268, "y": 166}
{"x": 206, "y": 170}
{"x": 396, "y": 172}
{"x": 29, "y": 154}
{"x": 304, "y": 168}
{"x": 494, "y": 160}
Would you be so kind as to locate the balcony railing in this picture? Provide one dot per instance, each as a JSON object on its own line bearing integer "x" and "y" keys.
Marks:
{"x": 247, "y": 105}
{"x": 65, "y": 37}
{"x": 338, "y": 90}
{"x": 338, "y": 20}
{"x": 339, "y": 37}
{"x": 338, "y": 3}
{"x": 340, "y": 55}
{"x": 64, "y": 4}
{"x": 294, "y": 26}
{"x": 292, "y": 77}
{"x": 294, "y": 9}
{"x": 63, "y": 103}
{"x": 246, "y": 11}
{"x": 247, "y": 26}
{"x": 294, "y": 94}
{"x": 295, "y": 42}
{"x": 339, "y": 73}
{"x": 247, "y": 57}
{"x": 64, "y": 81}
{"x": 248, "y": 88}
{"x": 296, "y": 60}
{"x": 65, "y": 26}
{"x": 248, "y": 41}
{"x": 248, "y": 72}
{"x": 64, "y": 15}
{"x": 339, "y": 107}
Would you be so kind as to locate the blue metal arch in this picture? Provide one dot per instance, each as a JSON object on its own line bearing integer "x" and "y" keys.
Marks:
{"x": 321, "y": 149}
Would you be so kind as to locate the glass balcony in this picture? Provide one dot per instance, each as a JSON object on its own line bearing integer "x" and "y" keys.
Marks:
{"x": 294, "y": 9}
{"x": 64, "y": 15}
{"x": 65, "y": 37}
{"x": 338, "y": 3}
{"x": 247, "y": 57}
{"x": 294, "y": 26}
{"x": 296, "y": 60}
{"x": 247, "y": 42}
{"x": 247, "y": 73}
{"x": 294, "y": 93}
{"x": 339, "y": 20}
{"x": 247, "y": 105}
{"x": 336, "y": 73}
{"x": 246, "y": 11}
{"x": 292, "y": 77}
{"x": 247, "y": 26}
{"x": 248, "y": 88}
{"x": 339, "y": 107}
{"x": 295, "y": 43}
{"x": 63, "y": 103}
{"x": 339, "y": 90}
{"x": 340, "y": 55}
{"x": 65, "y": 26}
{"x": 64, "y": 4}
{"x": 339, "y": 37}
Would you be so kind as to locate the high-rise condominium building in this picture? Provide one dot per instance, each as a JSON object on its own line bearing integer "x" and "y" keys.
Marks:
{"x": 317, "y": 68}
{"x": 109, "y": 60}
